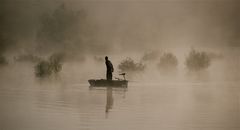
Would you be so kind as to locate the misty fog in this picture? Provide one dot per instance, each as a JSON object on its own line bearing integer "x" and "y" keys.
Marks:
{"x": 181, "y": 58}
{"x": 86, "y": 31}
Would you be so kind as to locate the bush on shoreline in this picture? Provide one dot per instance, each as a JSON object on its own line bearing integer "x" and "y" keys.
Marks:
{"x": 47, "y": 67}
{"x": 197, "y": 60}
{"x": 168, "y": 60}
{"x": 129, "y": 65}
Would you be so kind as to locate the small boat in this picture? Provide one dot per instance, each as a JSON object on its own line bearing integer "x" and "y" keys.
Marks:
{"x": 110, "y": 83}
{"x": 104, "y": 83}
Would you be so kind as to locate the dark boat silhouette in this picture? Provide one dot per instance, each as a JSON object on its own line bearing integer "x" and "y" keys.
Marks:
{"x": 112, "y": 83}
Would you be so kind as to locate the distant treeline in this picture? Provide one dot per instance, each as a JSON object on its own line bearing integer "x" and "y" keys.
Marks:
{"x": 194, "y": 61}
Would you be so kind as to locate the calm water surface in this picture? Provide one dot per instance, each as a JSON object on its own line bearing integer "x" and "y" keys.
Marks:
{"x": 30, "y": 104}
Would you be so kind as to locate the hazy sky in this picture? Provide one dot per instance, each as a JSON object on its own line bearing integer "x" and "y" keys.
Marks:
{"x": 100, "y": 26}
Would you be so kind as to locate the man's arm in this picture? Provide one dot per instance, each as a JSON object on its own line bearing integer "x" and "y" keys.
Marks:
{"x": 111, "y": 66}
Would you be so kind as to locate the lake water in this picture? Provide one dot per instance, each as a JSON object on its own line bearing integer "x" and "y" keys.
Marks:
{"x": 28, "y": 103}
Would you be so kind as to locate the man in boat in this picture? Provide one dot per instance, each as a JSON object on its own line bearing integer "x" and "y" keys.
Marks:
{"x": 110, "y": 68}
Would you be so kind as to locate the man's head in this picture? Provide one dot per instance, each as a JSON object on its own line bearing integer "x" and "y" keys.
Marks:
{"x": 106, "y": 58}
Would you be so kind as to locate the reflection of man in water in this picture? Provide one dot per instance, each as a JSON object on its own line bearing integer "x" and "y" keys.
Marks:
{"x": 110, "y": 68}
{"x": 109, "y": 99}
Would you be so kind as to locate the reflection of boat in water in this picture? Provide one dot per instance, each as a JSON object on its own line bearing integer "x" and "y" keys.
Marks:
{"x": 109, "y": 104}
{"x": 110, "y": 92}
{"x": 112, "y": 83}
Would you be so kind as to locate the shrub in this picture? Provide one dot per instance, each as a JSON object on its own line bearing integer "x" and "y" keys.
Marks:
{"x": 55, "y": 61}
{"x": 43, "y": 69}
{"x": 197, "y": 60}
{"x": 52, "y": 65}
{"x": 168, "y": 60}
{"x": 128, "y": 65}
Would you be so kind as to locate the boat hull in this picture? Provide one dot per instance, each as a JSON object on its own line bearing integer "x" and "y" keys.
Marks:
{"x": 104, "y": 83}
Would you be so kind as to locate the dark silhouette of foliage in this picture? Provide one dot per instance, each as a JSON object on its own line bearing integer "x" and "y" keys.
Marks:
{"x": 43, "y": 69}
{"x": 3, "y": 60}
{"x": 128, "y": 65}
{"x": 61, "y": 29}
{"x": 168, "y": 60}
{"x": 197, "y": 60}
{"x": 52, "y": 65}
{"x": 55, "y": 61}
{"x": 4, "y": 42}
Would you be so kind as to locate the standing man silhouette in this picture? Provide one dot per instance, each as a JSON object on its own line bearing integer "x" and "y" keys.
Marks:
{"x": 110, "y": 68}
